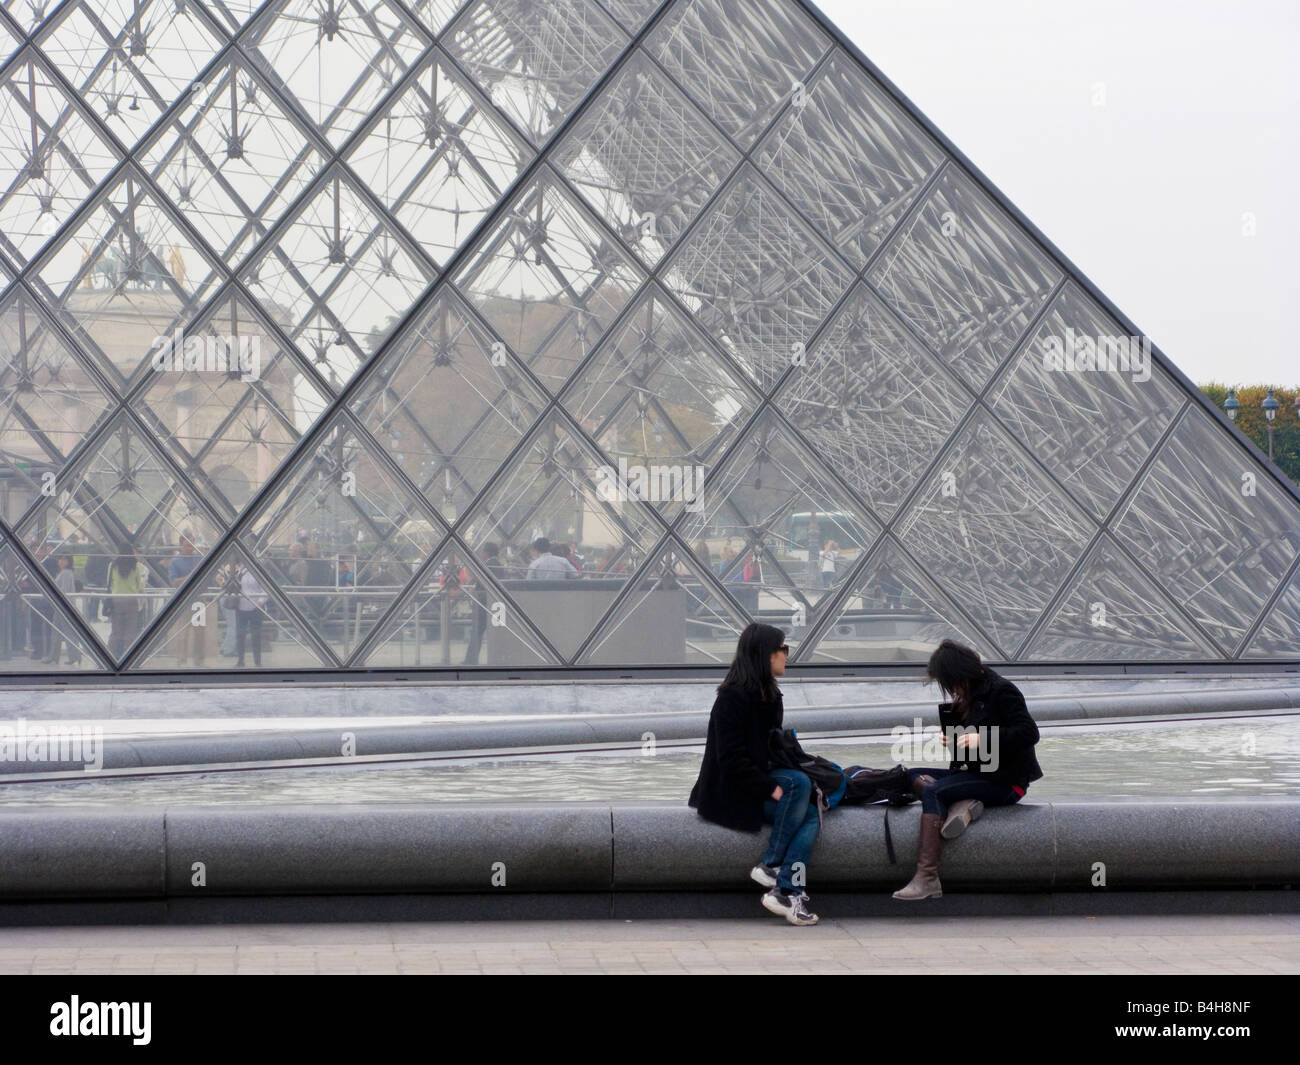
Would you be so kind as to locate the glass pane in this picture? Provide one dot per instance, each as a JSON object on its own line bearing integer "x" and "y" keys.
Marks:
{"x": 231, "y": 618}
{"x": 632, "y": 13}
{"x": 126, "y": 276}
{"x": 965, "y": 276}
{"x": 49, "y": 403}
{"x": 993, "y": 531}
{"x": 128, "y": 60}
{"x": 659, "y": 402}
{"x": 233, "y": 14}
{"x": 1092, "y": 423}
{"x": 758, "y": 280}
{"x": 672, "y": 616}
{"x": 36, "y": 634}
{"x": 1113, "y": 613}
{"x": 875, "y": 406}
{"x": 645, "y": 159}
{"x": 229, "y": 404}
{"x": 232, "y": 159}
{"x": 1279, "y": 636}
{"x": 29, "y": 16}
{"x": 434, "y": 15}
{"x": 342, "y": 538}
{"x": 769, "y": 516}
{"x": 894, "y": 614}
{"x": 548, "y": 281}
{"x": 536, "y": 59}
{"x": 849, "y": 158}
{"x": 1211, "y": 526}
{"x": 335, "y": 59}
{"x": 439, "y": 159}
{"x": 338, "y": 279}
{"x": 52, "y": 159}
{"x": 552, "y": 491}
{"x": 123, "y": 508}
{"x": 449, "y": 404}
{"x": 460, "y": 616}
{"x": 739, "y": 58}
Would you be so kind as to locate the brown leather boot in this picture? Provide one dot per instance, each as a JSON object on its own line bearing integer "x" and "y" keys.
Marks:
{"x": 960, "y": 814}
{"x": 925, "y": 884}
{"x": 919, "y": 784}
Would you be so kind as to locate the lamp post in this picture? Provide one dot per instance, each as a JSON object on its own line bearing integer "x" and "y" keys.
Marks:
{"x": 1231, "y": 405}
{"x": 1270, "y": 406}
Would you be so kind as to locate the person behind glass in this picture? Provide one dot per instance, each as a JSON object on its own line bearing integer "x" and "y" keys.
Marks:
{"x": 248, "y": 617}
{"x": 739, "y": 788}
{"x": 829, "y": 555}
{"x": 994, "y": 709}
{"x": 546, "y": 566}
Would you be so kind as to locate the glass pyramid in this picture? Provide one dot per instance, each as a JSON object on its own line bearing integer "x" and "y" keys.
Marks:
{"x": 321, "y": 312}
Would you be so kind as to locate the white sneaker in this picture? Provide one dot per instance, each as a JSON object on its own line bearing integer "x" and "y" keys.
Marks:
{"x": 791, "y": 907}
{"x": 764, "y": 874}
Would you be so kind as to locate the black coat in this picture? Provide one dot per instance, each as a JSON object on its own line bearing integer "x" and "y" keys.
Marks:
{"x": 734, "y": 779}
{"x": 997, "y": 703}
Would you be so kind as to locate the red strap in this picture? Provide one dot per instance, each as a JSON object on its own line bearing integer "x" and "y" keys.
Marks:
{"x": 1018, "y": 790}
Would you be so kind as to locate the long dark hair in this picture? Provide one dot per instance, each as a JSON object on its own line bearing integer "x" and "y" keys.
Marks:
{"x": 751, "y": 669}
{"x": 954, "y": 665}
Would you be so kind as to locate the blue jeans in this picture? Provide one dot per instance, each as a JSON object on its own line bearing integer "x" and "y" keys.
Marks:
{"x": 795, "y": 825}
{"x": 953, "y": 784}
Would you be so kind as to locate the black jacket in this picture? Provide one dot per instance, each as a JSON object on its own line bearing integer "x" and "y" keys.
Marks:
{"x": 734, "y": 777}
{"x": 997, "y": 703}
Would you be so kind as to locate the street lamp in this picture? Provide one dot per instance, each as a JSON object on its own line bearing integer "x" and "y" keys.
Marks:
{"x": 1270, "y": 406}
{"x": 1231, "y": 405}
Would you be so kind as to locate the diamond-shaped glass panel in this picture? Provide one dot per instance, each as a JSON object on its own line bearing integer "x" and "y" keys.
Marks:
{"x": 894, "y": 613}
{"x": 966, "y": 277}
{"x": 130, "y": 59}
{"x": 127, "y": 275}
{"x": 1279, "y": 635}
{"x": 439, "y": 159}
{"x": 536, "y": 59}
{"x": 448, "y": 404}
{"x": 1113, "y": 613}
{"x": 849, "y": 158}
{"x": 673, "y": 615}
{"x": 632, "y": 13}
{"x": 434, "y": 15}
{"x": 232, "y": 159}
{"x": 1087, "y": 399}
{"x": 335, "y": 59}
{"x": 644, "y": 158}
{"x": 231, "y": 618}
{"x": 36, "y": 634}
{"x": 553, "y": 490}
{"x": 29, "y": 14}
{"x": 122, "y": 506}
{"x": 460, "y": 616}
{"x": 658, "y": 400}
{"x": 549, "y": 281}
{"x": 757, "y": 278}
{"x": 342, "y": 537}
{"x": 1210, "y": 525}
{"x": 235, "y": 14}
{"x": 874, "y": 405}
{"x": 993, "y": 530}
{"x": 739, "y": 58}
{"x": 338, "y": 279}
{"x": 229, "y": 403}
{"x": 49, "y": 403}
{"x": 52, "y": 159}
{"x": 767, "y": 516}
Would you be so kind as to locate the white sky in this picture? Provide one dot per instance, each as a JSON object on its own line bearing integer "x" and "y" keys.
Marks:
{"x": 1146, "y": 194}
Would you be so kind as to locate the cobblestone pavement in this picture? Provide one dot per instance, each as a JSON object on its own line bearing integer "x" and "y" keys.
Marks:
{"x": 1119, "y": 944}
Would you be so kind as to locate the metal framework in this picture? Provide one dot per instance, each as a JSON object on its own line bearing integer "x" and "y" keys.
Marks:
{"x": 314, "y": 314}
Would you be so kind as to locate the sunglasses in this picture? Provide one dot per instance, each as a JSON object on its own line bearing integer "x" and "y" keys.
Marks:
{"x": 784, "y": 649}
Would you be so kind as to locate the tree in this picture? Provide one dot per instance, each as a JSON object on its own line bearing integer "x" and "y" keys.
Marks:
{"x": 1251, "y": 421}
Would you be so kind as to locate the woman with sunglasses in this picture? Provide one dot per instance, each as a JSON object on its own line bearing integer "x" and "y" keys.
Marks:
{"x": 738, "y": 787}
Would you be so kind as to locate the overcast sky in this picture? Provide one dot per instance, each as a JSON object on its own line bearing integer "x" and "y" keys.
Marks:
{"x": 1148, "y": 193}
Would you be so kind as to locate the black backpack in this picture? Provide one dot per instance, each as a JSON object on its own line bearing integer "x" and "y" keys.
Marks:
{"x": 829, "y": 781}
{"x": 892, "y": 786}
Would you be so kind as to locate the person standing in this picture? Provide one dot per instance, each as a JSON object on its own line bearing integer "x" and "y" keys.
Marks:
{"x": 125, "y": 588}
{"x": 829, "y": 556}
{"x": 66, "y": 582}
{"x": 739, "y": 788}
{"x": 248, "y": 624}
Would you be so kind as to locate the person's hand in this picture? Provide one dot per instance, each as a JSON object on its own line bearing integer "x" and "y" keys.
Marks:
{"x": 943, "y": 737}
{"x": 968, "y": 741}
{"x": 777, "y": 793}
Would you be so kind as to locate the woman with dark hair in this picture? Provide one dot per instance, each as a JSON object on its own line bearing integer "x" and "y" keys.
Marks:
{"x": 739, "y": 788}
{"x": 125, "y": 586}
{"x": 993, "y": 758}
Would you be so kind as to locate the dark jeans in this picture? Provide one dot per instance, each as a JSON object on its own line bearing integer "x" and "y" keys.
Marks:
{"x": 953, "y": 784}
{"x": 795, "y": 825}
{"x": 248, "y": 623}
